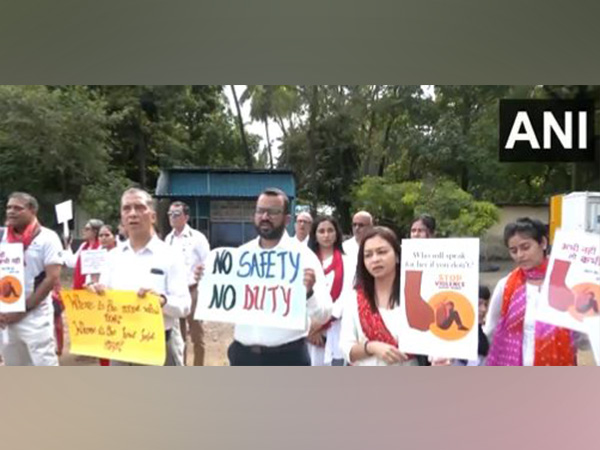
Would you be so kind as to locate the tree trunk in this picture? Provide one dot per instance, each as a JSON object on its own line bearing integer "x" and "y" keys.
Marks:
{"x": 312, "y": 144}
{"x": 142, "y": 159}
{"x": 269, "y": 149}
{"x": 248, "y": 154}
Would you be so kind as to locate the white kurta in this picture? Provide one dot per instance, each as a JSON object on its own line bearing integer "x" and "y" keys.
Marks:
{"x": 323, "y": 356}
{"x": 352, "y": 332}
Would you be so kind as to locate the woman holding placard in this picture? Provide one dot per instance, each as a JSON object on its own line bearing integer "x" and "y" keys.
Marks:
{"x": 517, "y": 339}
{"x": 90, "y": 235}
{"x": 325, "y": 240}
{"x": 371, "y": 318}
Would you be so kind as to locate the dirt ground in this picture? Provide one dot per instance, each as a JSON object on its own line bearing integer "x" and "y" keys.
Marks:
{"x": 218, "y": 336}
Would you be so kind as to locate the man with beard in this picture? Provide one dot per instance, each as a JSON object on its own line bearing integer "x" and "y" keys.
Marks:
{"x": 265, "y": 346}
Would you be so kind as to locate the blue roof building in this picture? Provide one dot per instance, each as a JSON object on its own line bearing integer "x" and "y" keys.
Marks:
{"x": 221, "y": 201}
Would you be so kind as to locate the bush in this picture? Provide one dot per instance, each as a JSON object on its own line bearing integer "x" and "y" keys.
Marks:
{"x": 395, "y": 204}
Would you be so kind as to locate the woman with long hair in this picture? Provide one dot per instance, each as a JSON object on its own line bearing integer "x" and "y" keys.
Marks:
{"x": 371, "y": 318}
{"x": 325, "y": 240}
{"x": 517, "y": 339}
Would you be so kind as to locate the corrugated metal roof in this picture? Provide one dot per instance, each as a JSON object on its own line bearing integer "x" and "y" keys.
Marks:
{"x": 222, "y": 183}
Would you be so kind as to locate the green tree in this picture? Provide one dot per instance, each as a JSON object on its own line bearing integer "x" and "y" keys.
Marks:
{"x": 53, "y": 142}
{"x": 395, "y": 204}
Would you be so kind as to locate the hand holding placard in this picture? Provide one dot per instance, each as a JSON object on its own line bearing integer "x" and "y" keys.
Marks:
{"x": 64, "y": 213}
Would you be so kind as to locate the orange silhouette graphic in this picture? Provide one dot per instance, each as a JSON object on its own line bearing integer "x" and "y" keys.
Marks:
{"x": 10, "y": 290}
{"x": 454, "y": 315}
{"x": 587, "y": 301}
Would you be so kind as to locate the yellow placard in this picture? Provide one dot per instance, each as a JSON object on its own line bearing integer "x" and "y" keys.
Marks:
{"x": 117, "y": 325}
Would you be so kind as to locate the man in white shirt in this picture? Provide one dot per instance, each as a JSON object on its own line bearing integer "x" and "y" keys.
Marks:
{"x": 194, "y": 247}
{"x": 266, "y": 346}
{"x": 303, "y": 225}
{"x": 147, "y": 265}
{"x": 361, "y": 221}
{"x": 29, "y": 337}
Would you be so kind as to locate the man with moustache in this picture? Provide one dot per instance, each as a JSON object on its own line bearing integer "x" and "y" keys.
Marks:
{"x": 194, "y": 247}
{"x": 361, "y": 221}
{"x": 303, "y": 225}
{"x": 29, "y": 337}
{"x": 256, "y": 345}
{"x": 147, "y": 265}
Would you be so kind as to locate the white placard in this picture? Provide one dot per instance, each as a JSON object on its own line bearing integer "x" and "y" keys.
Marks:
{"x": 92, "y": 261}
{"x": 440, "y": 298}
{"x": 12, "y": 278}
{"x": 570, "y": 296}
{"x": 253, "y": 287}
{"x": 64, "y": 211}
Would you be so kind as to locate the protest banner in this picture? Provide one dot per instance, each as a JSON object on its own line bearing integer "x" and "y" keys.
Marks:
{"x": 253, "y": 287}
{"x": 439, "y": 297}
{"x": 12, "y": 278}
{"x": 570, "y": 296}
{"x": 92, "y": 261}
{"x": 64, "y": 213}
{"x": 118, "y": 326}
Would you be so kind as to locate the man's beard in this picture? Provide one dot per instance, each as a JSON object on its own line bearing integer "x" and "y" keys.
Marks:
{"x": 273, "y": 234}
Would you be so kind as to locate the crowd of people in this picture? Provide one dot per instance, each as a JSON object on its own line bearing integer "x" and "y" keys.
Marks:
{"x": 352, "y": 288}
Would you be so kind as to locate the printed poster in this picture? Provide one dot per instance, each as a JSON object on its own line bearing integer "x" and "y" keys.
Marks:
{"x": 12, "y": 278}
{"x": 570, "y": 296}
{"x": 439, "y": 297}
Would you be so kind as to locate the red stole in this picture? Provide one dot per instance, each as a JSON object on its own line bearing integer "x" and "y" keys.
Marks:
{"x": 372, "y": 323}
{"x": 337, "y": 266}
{"x": 25, "y": 238}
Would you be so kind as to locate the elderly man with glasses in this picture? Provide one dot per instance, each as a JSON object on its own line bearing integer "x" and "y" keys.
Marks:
{"x": 303, "y": 225}
{"x": 194, "y": 247}
{"x": 361, "y": 221}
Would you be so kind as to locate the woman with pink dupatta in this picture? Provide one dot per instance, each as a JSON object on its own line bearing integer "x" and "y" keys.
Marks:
{"x": 516, "y": 338}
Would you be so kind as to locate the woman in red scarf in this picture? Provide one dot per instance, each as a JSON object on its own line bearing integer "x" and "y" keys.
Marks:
{"x": 517, "y": 339}
{"x": 91, "y": 242}
{"x": 371, "y": 320}
{"x": 325, "y": 240}
{"x": 108, "y": 241}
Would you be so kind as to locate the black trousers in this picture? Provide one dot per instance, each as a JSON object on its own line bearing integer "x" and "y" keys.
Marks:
{"x": 292, "y": 354}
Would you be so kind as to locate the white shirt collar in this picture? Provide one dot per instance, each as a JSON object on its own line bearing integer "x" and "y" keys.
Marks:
{"x": 285, "y": 241}
{"x": 150, "y": 246}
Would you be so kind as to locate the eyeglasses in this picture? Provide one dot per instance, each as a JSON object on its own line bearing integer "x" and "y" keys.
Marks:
{"x": 175, "y": 214}
{"x": 303, "y": 222}
{"x": 359, "y": 225}
{"x": 270, "y": 212}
